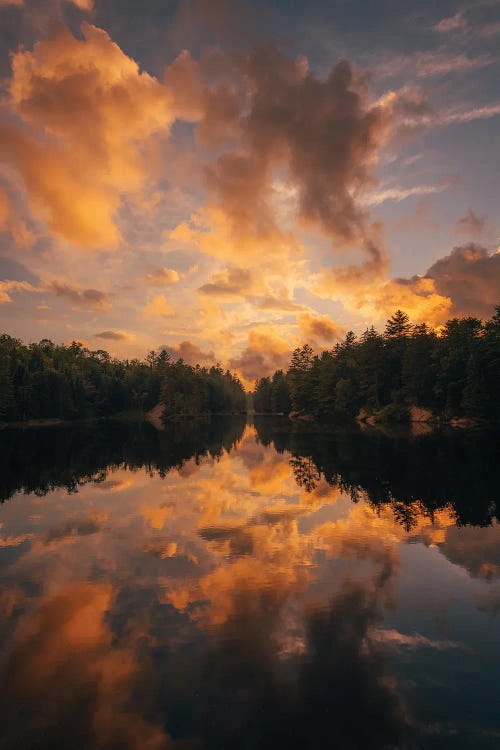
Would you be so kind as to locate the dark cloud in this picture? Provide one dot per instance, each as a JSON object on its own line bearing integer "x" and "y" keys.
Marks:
{"x": 229, "y": 282}
{"x": 112, "y": 335}
{"x": 471, "y": 225}
{"x": 470, "y": 277}
{"x": 191, "y": 353}
{"x": 467, "y": 281}
{"x": 323, "y": 130}
{"x": 90, "y": 297}
{"x": 322, "y": 133}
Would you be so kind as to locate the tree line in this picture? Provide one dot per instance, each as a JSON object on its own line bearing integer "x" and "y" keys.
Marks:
{"x": 454, "y": 372}
{"x": 55, "y": 381}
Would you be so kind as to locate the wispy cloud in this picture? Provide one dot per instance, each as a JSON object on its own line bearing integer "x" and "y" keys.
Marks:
{"x": 468, "y": 115}
{"x": 430, "y": 64}
{"x": 450, "y": 24}
{"x": 398, "y": 194}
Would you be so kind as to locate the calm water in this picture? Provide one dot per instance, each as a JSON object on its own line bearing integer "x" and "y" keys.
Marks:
{"x": 248, "y": 586}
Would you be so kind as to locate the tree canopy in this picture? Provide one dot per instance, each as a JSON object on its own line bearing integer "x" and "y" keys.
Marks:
{"x": 45, "y": 381}
{"x": 454, "y": 372}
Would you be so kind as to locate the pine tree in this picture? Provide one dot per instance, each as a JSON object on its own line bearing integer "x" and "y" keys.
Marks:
{"x": 398, "y": 325}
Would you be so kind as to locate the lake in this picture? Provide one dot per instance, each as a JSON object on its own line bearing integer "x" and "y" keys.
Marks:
{"x": 260, "y": 584}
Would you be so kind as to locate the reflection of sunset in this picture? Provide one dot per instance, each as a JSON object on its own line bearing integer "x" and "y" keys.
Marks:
{"x": 249, "y": 349}
{"x": 254, "y": 561}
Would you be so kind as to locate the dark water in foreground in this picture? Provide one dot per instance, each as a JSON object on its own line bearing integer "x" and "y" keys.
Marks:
{"x": 236, "y": 586}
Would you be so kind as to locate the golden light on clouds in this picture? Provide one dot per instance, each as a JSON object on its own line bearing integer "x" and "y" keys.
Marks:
{"x": 76, "y": 168}
{"x": 258, "y": 190}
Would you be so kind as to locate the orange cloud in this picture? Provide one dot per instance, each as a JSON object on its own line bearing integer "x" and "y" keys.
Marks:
{"x": 319, "y": 328}
{"x": 265, "y": 352}
{"x": 13, "y": 286}
{"x": 159, "y": 308}
{"x": 470, "y": 277}
{"x": 378, "y": 299}
{"x": 162, "y": 277}
{"x": 73, "y": 172}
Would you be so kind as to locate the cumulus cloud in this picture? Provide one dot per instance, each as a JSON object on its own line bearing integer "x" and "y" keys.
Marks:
{"x": 191, "y": 353}
{"x": 319, "y": 328}
{"x": 322, "y": 135}
{"x": 229, "y": 282}
{"x": 465, "y": 282}
{"x": 378, "y": 299}
{"x": 78, "y": 295}
{"x": 162, "y": 277}
{"x": 470, "y": 277}
{"x": 76, "y": 174}
{"x": 159, "y": 308}
{"x": 264, "y": 353}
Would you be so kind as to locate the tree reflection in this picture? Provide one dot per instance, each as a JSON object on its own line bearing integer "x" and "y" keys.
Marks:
{"x": 414, "y": 475}
{"x": 40, "y": 460}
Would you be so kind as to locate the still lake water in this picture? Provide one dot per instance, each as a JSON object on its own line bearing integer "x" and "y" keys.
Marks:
{"x": 232, "y": 585}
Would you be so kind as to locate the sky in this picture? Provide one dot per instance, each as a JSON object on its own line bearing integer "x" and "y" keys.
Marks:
{"x": 229, "y": 180}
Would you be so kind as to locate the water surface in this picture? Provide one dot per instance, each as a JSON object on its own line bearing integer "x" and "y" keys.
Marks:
{"x": 231, "y": 585}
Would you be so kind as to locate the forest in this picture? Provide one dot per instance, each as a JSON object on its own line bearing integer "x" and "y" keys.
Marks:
{"x": 453, "y": 372}
{"x": 53, "y": 381}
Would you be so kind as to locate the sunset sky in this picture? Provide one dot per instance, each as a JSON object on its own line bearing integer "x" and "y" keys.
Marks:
{"x": 228, "y": 180}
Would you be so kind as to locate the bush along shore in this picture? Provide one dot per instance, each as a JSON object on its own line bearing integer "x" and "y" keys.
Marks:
{"x": 410, "y": 373}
